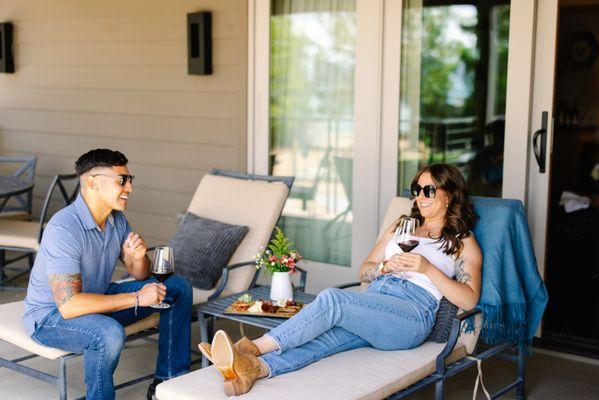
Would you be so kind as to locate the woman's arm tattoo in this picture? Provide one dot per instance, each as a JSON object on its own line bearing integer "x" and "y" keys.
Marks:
{"x": 64, "y": 287}
{"x": 460, "y": 275}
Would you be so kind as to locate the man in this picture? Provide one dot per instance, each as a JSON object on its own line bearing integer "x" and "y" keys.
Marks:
{"x": 71, "y": 303}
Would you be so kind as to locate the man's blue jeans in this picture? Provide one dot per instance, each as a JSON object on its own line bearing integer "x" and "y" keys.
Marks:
{"x": 101, "y": 337}
{"x": 392, "y": 314}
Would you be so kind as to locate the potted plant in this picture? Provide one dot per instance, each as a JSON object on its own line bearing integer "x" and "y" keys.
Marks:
{"x": 279, "y": 259}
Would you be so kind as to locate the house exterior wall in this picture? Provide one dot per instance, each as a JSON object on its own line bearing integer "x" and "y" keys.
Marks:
{"x": 113, "y": 73}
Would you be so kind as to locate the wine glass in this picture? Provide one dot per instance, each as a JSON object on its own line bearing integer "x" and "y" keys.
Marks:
{"x": 405, "y": 236}
{"x": 162, "y": 268}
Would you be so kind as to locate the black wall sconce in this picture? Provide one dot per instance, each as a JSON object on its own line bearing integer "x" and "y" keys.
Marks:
{"x": 199, "y": 43}
{"x": 7, "y": 63}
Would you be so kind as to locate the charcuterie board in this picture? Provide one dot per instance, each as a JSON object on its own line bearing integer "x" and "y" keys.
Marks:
{"x": 245, "y": 305}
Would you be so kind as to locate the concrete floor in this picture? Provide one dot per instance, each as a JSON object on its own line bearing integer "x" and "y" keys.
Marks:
{"x": 549, "y": 376}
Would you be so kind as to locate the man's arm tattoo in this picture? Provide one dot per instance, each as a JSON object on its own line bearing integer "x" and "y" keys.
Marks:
{"x": 461, "y": 276}
{"x": 64, "y": 287}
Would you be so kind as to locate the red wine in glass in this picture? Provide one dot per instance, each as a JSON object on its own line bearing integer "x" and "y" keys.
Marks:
{"x": 162, "y": 268}
{"x": 161, "y": 277}
{"x": 405, "y": 235}
{"x": 408, "y": 246}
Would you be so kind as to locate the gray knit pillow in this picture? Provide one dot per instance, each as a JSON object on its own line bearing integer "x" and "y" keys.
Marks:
{"x": 202, "y": 247}
{"x": 442, "y": 328}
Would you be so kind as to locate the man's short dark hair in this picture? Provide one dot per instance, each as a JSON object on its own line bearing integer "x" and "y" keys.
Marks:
{"x": 99, "y": 158}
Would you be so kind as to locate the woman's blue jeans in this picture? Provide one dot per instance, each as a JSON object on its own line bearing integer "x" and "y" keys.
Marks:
{"x": 392, "y": 314}
{"x": 101, "y": 337}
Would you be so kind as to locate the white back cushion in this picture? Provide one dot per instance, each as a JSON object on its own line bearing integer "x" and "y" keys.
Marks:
{"x": 255, "y": 204}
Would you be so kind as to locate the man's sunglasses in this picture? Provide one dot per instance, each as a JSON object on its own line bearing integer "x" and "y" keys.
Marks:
{"x": 429, "y": 191}
{"x": 122, "y": 179}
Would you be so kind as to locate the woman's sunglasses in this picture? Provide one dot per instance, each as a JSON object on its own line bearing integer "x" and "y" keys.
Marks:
{"x": 429, "y": 191}
{"x": 121, "y": 179}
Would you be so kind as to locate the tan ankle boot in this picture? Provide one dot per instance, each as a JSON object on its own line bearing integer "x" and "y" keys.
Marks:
{"x": 243, "y": 345}
{"x": 246, "y": 346}
{"x": 239, "y": 370}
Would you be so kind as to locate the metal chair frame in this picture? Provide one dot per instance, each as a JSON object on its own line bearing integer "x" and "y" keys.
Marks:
{"x": 60, "y": 380}
{"x": 443, "y": 370}
{"x": 27, "y": 170}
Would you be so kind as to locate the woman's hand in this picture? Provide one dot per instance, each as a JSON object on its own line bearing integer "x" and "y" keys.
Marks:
{"x": 393, "y": 264}
{"x": 413, "y": 262}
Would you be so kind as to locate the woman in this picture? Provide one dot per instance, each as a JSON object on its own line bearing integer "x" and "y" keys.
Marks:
{"x": 396, "y": 312}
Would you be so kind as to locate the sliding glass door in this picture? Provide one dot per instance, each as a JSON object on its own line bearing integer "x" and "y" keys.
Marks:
{"x": 453, "y": 90}
{"x": 352, "y": 97}
{"x": 311, "y": 121}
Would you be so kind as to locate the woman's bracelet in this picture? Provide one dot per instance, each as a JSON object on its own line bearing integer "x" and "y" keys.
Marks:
{"x": 371, "y": 274}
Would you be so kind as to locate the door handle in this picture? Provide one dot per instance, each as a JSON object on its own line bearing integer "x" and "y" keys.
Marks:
{"x": 540, "y": 150}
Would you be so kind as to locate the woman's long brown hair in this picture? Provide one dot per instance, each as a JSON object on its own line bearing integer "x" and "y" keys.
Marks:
{"x": 460, "y": 217}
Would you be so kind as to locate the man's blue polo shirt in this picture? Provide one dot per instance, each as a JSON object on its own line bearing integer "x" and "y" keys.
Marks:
{"x": 73, "y": 244}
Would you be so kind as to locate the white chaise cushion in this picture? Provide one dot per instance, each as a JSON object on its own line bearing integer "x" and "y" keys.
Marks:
{"x": 255, "y": 204}
{"x": 24, "y": 234}
{"x": 13, "y": 331}
{"x": 362, "y": 374}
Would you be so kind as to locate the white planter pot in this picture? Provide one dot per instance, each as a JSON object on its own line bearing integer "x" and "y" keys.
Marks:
{"x": 280, "y": 287}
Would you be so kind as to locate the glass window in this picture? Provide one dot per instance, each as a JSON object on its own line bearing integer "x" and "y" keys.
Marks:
{"x": 453, "y": 90}
{"x": 312, "y": 60}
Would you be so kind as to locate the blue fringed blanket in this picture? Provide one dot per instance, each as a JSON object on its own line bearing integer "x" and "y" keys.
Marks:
{"x": 513, "y": 296}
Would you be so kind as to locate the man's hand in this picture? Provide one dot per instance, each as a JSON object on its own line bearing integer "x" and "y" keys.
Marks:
{"x": 152, "y": 293}
{"x": 134, "y": 247}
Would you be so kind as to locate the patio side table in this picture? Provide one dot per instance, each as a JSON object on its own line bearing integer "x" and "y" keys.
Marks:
{"x": 210, "y": 310}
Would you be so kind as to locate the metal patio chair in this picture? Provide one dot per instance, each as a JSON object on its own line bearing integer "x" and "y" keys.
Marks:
{"x": 308, "y": 193}
{"x": 25, "y": 236}
{"x": 25, "y": 171}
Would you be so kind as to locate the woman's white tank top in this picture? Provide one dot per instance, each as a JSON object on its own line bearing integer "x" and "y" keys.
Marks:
{"x": 433, "y": 252}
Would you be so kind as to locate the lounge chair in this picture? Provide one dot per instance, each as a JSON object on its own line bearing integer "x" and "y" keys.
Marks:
{"x": 365, "y": 373}
{"x": 231, "y": 197}
{"x": 255, "y": 201}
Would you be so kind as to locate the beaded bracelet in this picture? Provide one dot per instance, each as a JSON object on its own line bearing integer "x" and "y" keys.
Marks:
{"x": 136, "y": 302}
